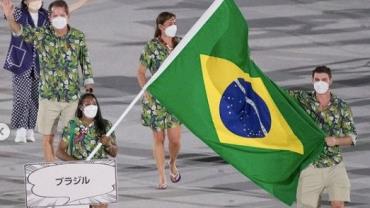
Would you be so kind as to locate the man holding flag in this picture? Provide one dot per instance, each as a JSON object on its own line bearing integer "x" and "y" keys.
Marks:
{"x": 212, "y": 86}
{"x": 334, "y": 117}
{"x": 210, "y": 83}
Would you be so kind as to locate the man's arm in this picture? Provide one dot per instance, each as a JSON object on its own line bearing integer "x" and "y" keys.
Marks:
{"x": 86, "y": 66}
{"x": 340, "y": 141}
{"x": 8, "y": 9}
{"x": 348, "y": 129}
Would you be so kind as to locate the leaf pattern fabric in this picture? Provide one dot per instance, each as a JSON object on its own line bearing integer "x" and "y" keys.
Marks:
{"x": 60, "y": 59}
{"x": 336, "y": 120}
{"x": 85, "y": 139}
{"x": 155, "y": 115}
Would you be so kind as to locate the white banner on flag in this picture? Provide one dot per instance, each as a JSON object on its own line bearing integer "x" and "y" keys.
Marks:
{"x": 70, "y": 183}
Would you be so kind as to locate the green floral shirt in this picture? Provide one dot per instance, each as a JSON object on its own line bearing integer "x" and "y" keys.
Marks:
{"x": 335, "y": 120}
{"x": 60, "y": 58}
{"x": 155, "y": 52}
{"x": 84, "y": 139}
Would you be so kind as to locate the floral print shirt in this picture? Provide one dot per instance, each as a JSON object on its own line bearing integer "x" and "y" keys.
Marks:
{"x": 155, "y": 52}
{"x": 336, "y": 120}
{"x": 84, "y": 139}
{"x": 60, "y": 58}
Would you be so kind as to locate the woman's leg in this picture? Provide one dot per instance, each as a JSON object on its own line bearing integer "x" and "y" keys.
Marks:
{"x": 20, "y": 112}
{"x": 48, "y": 147}
{"x": 33, "y": 104}
{"x": 158, "y": 153}
{"x": 337, "y": 204}
{"x": 174, "y": 145}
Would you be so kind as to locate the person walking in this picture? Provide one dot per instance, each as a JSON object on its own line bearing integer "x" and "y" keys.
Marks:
{"x": 334, "y": 117}
{"x": 155, "y": 115}
{"x": 22, "y": 61}
{"x": 62, "y": 51}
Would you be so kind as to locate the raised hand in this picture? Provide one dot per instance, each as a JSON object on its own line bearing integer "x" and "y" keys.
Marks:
{"x": 7, "y": 7}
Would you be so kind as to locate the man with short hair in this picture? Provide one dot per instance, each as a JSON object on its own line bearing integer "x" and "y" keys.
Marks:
{"x": 62, "y": 50}
{"x": 334, "y": 117}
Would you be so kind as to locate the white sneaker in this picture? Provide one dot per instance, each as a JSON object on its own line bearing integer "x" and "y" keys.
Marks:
{"x": 30, "y": 136}
{"x": 21, "y": 135}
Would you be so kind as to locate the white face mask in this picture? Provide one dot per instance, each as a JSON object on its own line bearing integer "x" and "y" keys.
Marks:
{"x": 171, "y": 31}
{"x": 59, "y": 22}
{"x": 90, "y": 111}
{"x": 35, "y": 5}
{"x": 321, "y": 87}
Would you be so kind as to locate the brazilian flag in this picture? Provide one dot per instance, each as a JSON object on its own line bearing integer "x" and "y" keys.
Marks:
{"x": 210, "y": 83}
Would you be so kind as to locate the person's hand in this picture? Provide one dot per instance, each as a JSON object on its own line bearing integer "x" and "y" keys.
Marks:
{"x": 331, "y": 141}
{"x": 146, "y": 95}
{"x": 7, "y": 7}
{"x": 89, "y": 88}
{"x": 109, "y": 147}
{"x": 106, "y": 141}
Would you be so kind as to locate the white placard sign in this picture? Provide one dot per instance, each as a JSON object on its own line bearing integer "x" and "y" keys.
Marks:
{"x": 70, "y": 183}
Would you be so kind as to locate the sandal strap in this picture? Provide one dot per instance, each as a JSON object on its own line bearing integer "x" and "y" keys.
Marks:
{"x": 162, "y": 186}
{"x": 171, "y": 174}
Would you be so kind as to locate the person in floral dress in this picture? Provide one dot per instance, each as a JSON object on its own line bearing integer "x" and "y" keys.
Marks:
{"x": 154, "y": 115}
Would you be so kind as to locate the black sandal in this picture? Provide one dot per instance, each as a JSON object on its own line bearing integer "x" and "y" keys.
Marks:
{"x": 174, "y": 177}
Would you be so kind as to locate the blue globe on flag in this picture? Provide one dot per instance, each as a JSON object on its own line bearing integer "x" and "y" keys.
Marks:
{"x": 243, "y": 111}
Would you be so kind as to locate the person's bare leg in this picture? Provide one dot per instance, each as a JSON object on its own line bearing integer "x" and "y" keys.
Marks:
{"x": 158, "y": 153}
{"x": 174, "y": 145}
{"x": 337, "y": 204}
{"x": 48, "y": 148}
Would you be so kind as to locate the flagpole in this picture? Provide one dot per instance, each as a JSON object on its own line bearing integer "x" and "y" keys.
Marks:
{"x": 189, "y": 35}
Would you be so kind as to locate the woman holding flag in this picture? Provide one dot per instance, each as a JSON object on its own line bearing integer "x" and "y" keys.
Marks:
{"x": 155, "y": 115}
{"x": 84, "y": 132}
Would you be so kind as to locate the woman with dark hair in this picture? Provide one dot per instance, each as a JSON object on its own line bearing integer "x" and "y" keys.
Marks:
{"x": 22, "y": 60}
{"x": 154, "y": 115}
{"x": 84, "y": 132}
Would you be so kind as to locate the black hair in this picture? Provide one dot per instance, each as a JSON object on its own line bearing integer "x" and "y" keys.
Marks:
{"x": 100, "y": 122}
{"x": 59, "y": 3}
{"x": 24, "y": 5}
{"x": 322, "y": 69}
{"x": 161, "y": 19}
